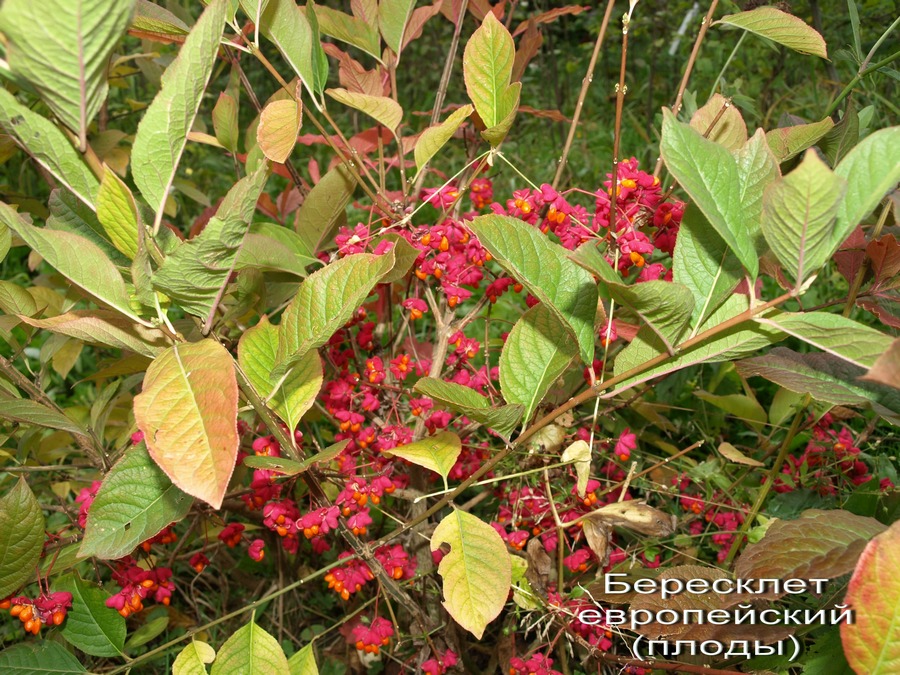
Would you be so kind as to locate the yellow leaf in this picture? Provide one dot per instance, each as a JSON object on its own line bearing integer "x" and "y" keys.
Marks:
{"x": 477, "y": 573}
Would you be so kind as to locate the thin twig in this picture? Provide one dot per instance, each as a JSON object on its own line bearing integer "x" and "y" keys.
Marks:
{"x": 585, "y": 84}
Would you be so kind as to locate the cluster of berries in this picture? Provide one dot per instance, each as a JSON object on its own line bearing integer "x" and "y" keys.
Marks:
{"x": 48, "y": 609}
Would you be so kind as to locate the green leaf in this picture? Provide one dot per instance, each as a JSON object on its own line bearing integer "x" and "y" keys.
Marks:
{"x": 325, "y": 301}
{"x": 257, "y": 350}
{"x": 437, "y": 453}
{"x": 21, "y": 536}
{"x": 434, "y": 138}
{"x": 250, "y": 650}
{"x": 279, "y": 124}
{"x": 318, "y": 57}
{"x": 5, "y": 241}
{"x": 225, "y": 122}
{"x": 90, "y": 625}
{"x": 842, "y": 137}
{"x": 779, "y": 27}
{"x": 62, "y": 49}
{"x": 350, "y": 29}
{"x": 871, "y": 642}
{"x": 664, "y": 306}
{"x": 196, "y": 274}
{"x": 788, "y": 142}
{"x": 487, "y": 68}
{"x": 98, "y": 326}
{"x": 477, "y": 573}
{"x": 16, "y": 300}
{"x": 384, "y": 110}
{"x": 709, "y": 174}
{"x": 290, "y": 467}
{"x": 323, "y": 207}
{"x": 269, "y": 246}
{"x": 32, "y": 412}
{"x": 69, "y": 214}
{"x": 537, "y": 351}
{"x": 817, "y": 545}
{"x": 757, "y": 169}
{"x": 304, "y": 662}
{"x": 503, "y": 419}
{"x": 544, "y": 268}
{"x": 743, "y": 407}
{"x": 703, "y": 263}
{"x": 288, "y": 28}
{"x": 188, "y": 413}
{"x": 162, "y": 133}
{"x": 847, "y": 339}
{"x": 193, "y": 659}
{"x": 77, "y": 259}
{"x": 871, "y": 170}
{"x": 157, "y": 622}
{"x": 824, "y": 377}
{"x": 135, "y": 502}
{"x": 118, "y": 214}
{"x": 736, "y": 341}
{"x": 49, "y": 147}
{"x": 799, "y": 213}
{"x": 44, "y": 657}
{"x": 393, "y": 16}
{"x": 405, "y": 254}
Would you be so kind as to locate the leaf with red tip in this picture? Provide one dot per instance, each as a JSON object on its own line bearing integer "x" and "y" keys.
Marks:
{"x": 188, "y": 413}
{"x": 872, "y": 641}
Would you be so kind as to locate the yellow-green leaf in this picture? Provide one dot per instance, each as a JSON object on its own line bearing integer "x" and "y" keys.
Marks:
{"x": 250, "y": 650}
{"x": 537, "y": 351}
{"x": 384, "y": 110}
{"x": 487, "y": 69}
{"x": 545, "y": 269}
{"x": 437, "y": 453}
{"x": 193, "y": 659}
{"x": 279, "y": 124}
{"x": 162, "y": 133}
{"x": 325, "y": 302}
{"x": 118, "y": 213}
{"x": 188, "y": 413}
{"x": 502, "y": 419}
{"x": 304, "y": 662}
{"x": 225, "y": 121}
{"x": 788, "y": 142}
{"x": 257, "y": 351}
{"x": 434, "y": 138}
{"x": 76, "y": 258}
{"x": 21, "y": 536}
{"x": 798, "y": 216}
{"x": 477, "y": 573}
{"x": 780, "y": 27}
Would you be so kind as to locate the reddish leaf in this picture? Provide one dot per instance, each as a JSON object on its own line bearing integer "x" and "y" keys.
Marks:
{"x": 851, "y": 255}
{"x": 551, "y": 15}
{"x": 872, "y": 642}
{"x": 528, "y": 47}
{"x": 817, "y": 545}
{"x": 353, "y": 76}
{"x": 886, "y": 369}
